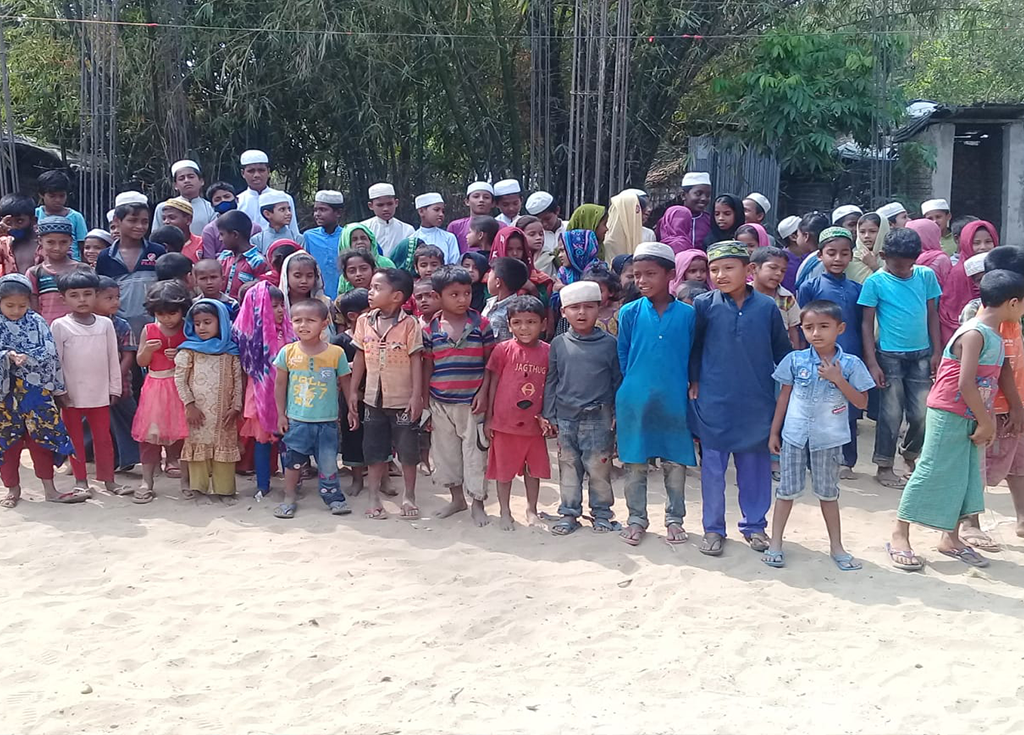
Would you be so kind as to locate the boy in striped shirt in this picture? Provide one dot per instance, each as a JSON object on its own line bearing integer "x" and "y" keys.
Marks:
{"x": 456, "y": 347}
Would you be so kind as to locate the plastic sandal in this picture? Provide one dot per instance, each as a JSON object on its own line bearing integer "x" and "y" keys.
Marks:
{"x": 774, "y": 559}
{"x": 285, "y": 510}
{"x": 847, "y": 563}
{"x": 565, "y": 527}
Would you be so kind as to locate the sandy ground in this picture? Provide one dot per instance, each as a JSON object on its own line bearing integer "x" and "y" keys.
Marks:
{"x": 182, "y": 618}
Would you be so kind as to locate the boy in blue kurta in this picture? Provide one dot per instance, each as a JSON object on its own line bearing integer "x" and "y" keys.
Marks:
{"x": 655, "y": 336}
{"x": 740, "y": 337}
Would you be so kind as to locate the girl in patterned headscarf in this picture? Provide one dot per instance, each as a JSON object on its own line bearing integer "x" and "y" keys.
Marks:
{"x": 580, "y": 249}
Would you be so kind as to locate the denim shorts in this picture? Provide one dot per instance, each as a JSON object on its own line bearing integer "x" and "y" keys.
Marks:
{"x": 310, "y": 439}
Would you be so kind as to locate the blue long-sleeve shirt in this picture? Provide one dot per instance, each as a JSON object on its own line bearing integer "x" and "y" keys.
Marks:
{"x": 844, "y": 292}
{"x": 734, "y": 354}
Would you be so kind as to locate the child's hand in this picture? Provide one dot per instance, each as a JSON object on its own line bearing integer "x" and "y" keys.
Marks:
{"x": 694, "y": 390}
{"x": 479, "y": 405}
{"x": 19, "y": 359}
{"x": 5, "y": 225}
{"x": 870, "y": 260}
{"x": 830, "y": 371}
{"x": 775, "y": 443}
{"x": 282, "y": 425}
{"x": 169, "y": 353}
{"x": 415, "y": 408}
{"x": 353, "y": 407}
{"x": 62, "y": 400}
{"x": 488, "y": 430}
{"x": 230, "y": 418}
{"x": 151, "y": 345}
{"x": 353, "y": 419}
{"x": 114, "y": 399}
{"x": 547, "y": 428}
{"x": 985, "y": 432}
{"x": 877, "y": 374}
{"x": 193, "y": 416}
{"x": 936, "y": 358}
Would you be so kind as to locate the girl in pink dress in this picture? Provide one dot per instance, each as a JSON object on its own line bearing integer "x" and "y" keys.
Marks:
{"x": 160, "y": 418}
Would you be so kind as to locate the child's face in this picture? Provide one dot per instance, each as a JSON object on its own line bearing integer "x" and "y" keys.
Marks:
{"x": 769, "y": 275}
{"x": 821, "y": 330}
{"x": 382, "y": 294}
{"x": 534, "y": 236}
{"x": 550, "y": 220}
{"x": 384, "y": 207}
{"x": 91, "y": 249}
{"x": 115, "y": 228}
{"x": 697, "y": 270}
{"x": 697, "y": 198}
{"x": 729, "y": 275}
{"x": 209, "y": 278}
{"x": 474, "y": 239}
{"x": 426, "y": 265}
{"x": 358, "y": 272}
{"x": 627, "y": 275}
{"x": 280, "y": 216}
{"x": 360, "y": 239}
{"x": 301, "y": 278}
{"x": 750, "y": 213}
{"x": 725, "y": 217}
{"x": 207, "y": 326}
{"x": 836, "y": 255}
{"x": 515, "y": 248}
{"x": 900, "y": 220}
{"x": 510, "y": 205}
{"x": 188, "y": 183}
{"x": 849, "y": 222}
{"x": 651, "y": 278}
{"x": 278, "y": 306}
{"x": 55, "y": 247}
{"x": 605, "y": 294}
{"x": 455, "y": 298}
{"x": 867, "y": 231}
{"x": 805, "y": 242}
{"x": 470, "y": 265}
{"x": 308, "y": 324}
{"x": 55, "y": 201}
{"x": 256, "y": 175}
{"x": 324, "y": 215}
{"x": 134, "y": 225}
{"x": 108, "y": 301}
{"x": 480, "y": 202}
{"x": 525, "y": 327}
{"x": 982, "y": 241}
{"x": 14, "y": 307}
{"x": 177, "y": 218}
{"x": 583, "y": 316}
{"x": 427, "y": 300}
{"x": 899, "y": 267}
{"x": 170, "y": 321}
{"x": 222, "y": 195}
{"x": 749, "y": 239}
{"x": 432, "y": 216}
{"x": 940, "y": 218}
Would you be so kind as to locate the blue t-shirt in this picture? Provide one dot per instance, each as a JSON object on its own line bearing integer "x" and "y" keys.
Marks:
{"x": 818, "y": 414}
{"x": 902, "y": 307}
{"x": 312, "y": 381}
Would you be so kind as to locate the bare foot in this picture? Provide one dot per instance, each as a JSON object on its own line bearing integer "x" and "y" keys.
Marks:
{"x": 505, "y": 522}
{"x": 846, "y": 473}
{"x": 228, "y": 499}
{"x": 478, "y": 513}
{"x": 887, "y": 478}
{"x": 456, "y": 506}
{"x": 533, "y": 520}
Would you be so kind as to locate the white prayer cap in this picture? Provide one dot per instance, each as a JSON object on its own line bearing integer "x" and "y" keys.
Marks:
{"x": 248, "y": 158}
{"x": 428, "y": 199}
{"x": 270, "y": 197}
{"x": 381, "y": 190}
{"x": 101, "y": 235}
{"x": 130, "y": 197}
{"x": 655, "y": 249}
{"x": 507, "y": 186}
{"x": 184, "y": 163}
{"x": 840, "y": 213}
{"x": 110, "y": 216}
{"x": 580, "y": 292}
{"x": 635, "y": 192}
{"x": 788, "y": 226}
{"x": 479, "y": 186}
{"x": 329, "y": 196}
{"x": 933, "y": 205}
{"x": 891, "y": 210}
{"x": 762, "y": 201}
{"x": 696, "y": 178}
{"x": 975, "y": 264}
{"x": 538, "y": 202}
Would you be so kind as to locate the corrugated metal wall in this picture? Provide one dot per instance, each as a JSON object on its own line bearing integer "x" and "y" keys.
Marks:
{"x": 735, "y": 170}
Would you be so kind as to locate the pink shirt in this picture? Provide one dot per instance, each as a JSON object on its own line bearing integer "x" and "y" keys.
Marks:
{"x": 88, "y": 356}
{"x": 520, "y": 372}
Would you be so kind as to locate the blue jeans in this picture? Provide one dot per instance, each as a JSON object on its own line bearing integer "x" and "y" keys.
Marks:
{"x": 907, "y": 382}
{"x": 754, "y": 478}
{"x": 319, "y": 440}
{"x": 636, "y": 493}
{"x": 585, "y": 444}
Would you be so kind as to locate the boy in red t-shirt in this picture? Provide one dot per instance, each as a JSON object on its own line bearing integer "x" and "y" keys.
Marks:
{"x": 515, "y": 395}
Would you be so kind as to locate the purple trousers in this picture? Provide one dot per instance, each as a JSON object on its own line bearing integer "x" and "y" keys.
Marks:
{"x": 754, "y": 477}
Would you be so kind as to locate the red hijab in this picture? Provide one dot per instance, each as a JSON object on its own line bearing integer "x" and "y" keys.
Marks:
{"x": 499, "y": 249}
{"x": 959, "y": 288}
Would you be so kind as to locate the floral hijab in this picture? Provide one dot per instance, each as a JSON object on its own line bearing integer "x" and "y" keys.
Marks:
{"x": 29, "y": 336}
{"x": 580, "y": 248}
{"x": 259, "y": 339}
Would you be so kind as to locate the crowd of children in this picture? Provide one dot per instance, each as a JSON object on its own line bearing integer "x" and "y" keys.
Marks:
{"x": 215, "y": 338}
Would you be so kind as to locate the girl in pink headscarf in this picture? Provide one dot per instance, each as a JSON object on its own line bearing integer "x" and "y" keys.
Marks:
{"x": 976, "y": 237}
{"x": 691, "y": 265}
{"x": 932, "y": 254}
{"x": 753, "y": 236}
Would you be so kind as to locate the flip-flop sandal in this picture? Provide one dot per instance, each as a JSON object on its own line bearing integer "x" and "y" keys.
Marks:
{"x": 70, "y": 498}
{"x": 914, "y": 565}
{"x": 285, "y": 510}
{"x": 678, "y": 540}
{"x": 410, "y": 512}
{"x": 376, "y": 514}
{"x": 174, "y": 472}
{"x": 982, "y": 541}
{"x": 774, "y": 559}
{"x": 602, "y": 525}
{"x": 970, "y": 557}
{"x": 188, "y": 493}
{"x": 847, "y": 563}
{"x": 9, "y": 501}
{"x": 893, "y": 484}
{"x": 339, "y": 508}
{"x": 758, "y": 541}
{"x": 628, "y": 536}
{"x": 121, "y": 490}
{"x": 565, "y": 526}
{"x": 141, "y": 497}
{"x": 712, "y": 544}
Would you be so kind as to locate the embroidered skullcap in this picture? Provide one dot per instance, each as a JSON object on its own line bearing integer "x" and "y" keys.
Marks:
{"x": 727, "y": 249}
{"x": 55, "y": 225}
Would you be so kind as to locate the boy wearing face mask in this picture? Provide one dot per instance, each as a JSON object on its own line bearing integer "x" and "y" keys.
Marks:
{"x": 17, "y": 233}
{"x": 222, "y": 198}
